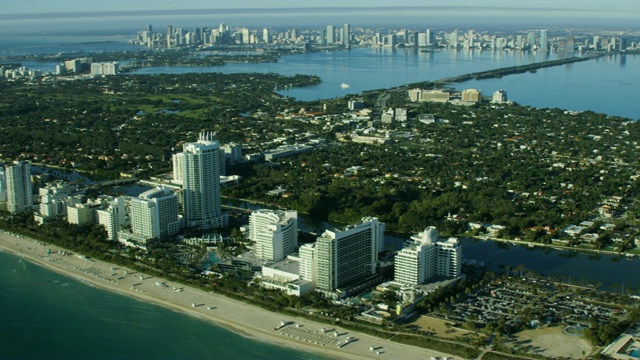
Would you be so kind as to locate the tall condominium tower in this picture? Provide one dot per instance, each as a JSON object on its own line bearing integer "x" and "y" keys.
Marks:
{"x": 197, "y": 168}
{"x": 275, "y": 233}
{"x": 169, "y": 36}
{"x": 154, "y": 213}
{"x": 3, "y": 187}
{"x": 348, "y": 255}
{"x": 346, "y": 34}
{"x": 429, "y": 37}
{"x": 426, "y": 257}
{"x": 331, "y": 35}
{"x": 531, "y": 39}
{"x": 19, "y": 187}
{"x": 544, "y": 40}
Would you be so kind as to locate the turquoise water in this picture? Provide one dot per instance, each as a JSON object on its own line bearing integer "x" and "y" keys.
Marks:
{"x": 635, "y": 353}
{"x": 47, "y": 315}
{"x": 213, "y": 259}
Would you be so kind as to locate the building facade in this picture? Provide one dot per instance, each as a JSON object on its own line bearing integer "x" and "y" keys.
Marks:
{"x": 424, "y": 257}
{"x": 348, "y": 255}
{"x": 472, "y": 95}
{"x": 3, "y": 187}
{"x": 275, "y": 233}
{"x": 154, "y": 214}
{"x": 500, "y": 96}
{"x": 105, "y": 68}
{"x": 19, "y": 187}
{"x": 197, "y": 168}
{"x": 112, "y": 217}
{"x": 53, "y": 201}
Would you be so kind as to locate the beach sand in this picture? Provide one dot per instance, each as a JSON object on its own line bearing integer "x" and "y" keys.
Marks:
{"x": 234, "y": 315}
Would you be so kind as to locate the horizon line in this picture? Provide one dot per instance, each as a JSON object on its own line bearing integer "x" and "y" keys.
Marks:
{"x": 228, "y": 11}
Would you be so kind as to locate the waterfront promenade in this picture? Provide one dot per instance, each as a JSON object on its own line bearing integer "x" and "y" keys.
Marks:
{"x": 231, "y": 314}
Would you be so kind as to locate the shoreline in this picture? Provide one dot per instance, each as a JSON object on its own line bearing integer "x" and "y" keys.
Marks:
{"x": 232, "y": 315}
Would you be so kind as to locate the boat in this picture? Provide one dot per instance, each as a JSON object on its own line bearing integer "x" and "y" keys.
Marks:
{"x": 345, "y": 85}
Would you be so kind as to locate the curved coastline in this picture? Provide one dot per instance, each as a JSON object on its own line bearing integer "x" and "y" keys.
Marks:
{"x": 231, "y": 314}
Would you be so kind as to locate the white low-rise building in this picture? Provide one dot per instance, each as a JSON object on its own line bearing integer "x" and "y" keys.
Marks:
{"x": 285, "y": 276}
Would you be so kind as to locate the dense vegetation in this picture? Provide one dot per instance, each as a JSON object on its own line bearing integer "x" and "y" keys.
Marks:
{"x": 510, "y": 165}
{"x": 126, "y": 123}
{"x": 140, "y": 57}
{"x": 516, "y": 166}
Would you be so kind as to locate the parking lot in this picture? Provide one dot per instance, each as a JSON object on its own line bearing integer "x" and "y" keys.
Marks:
{"x": 510, "y": 306}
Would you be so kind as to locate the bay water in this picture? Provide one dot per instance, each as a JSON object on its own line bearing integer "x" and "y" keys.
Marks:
{"x": 606, "y": 85}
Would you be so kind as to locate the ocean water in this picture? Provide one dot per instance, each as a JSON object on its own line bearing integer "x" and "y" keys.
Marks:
{"x": 45, "y": 315}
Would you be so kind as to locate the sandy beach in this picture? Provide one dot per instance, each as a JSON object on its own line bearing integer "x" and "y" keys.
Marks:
{"x": 244, "y": 318}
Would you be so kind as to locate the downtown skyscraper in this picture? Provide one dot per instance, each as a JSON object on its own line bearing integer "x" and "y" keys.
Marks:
{"x": 544, "y": 40}
{"x": 197, "y": 169}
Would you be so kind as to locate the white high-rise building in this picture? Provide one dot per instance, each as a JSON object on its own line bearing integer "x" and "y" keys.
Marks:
{"x": 105, "y": 68}
{"x": 3, "y": 187}
{"x": 544, "y": 40}
{"x": 331, "y": 34}
{"x": 500, "y": 96}
{"x": 415, "y": 263}
{"x": 112, "y": 217}
{"x": 154, "y": 213}
{"x": 197, "y": 168}
{"x": 275, "y": 233}
{"x": 449, "y": 258}
{"x": 348, "y": 255}
{"x": 308, "y": 263}
{"x": 346, "y": 34}
{"x": 19, "y": 187}
{"x": 426, "y": 257}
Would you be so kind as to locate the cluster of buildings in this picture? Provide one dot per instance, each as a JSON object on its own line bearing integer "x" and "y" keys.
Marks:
{"x": 341, "y": 261}
{"x": 223, "y": 35}
{"x": 84, "y": 65}
{"x": 105, "y": 68}
{"x": 331, "y": 35}
{"x": 20, "y": 72}
{"x": 70, "y": 67}
{"x": 192, "y": 199}
{"x": 465, "y": 97}
{"x": 345, "y": 260}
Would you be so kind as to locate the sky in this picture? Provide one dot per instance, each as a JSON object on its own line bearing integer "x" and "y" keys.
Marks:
{"x": 592, "y": 7}
{"x": 17, "y": 16}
